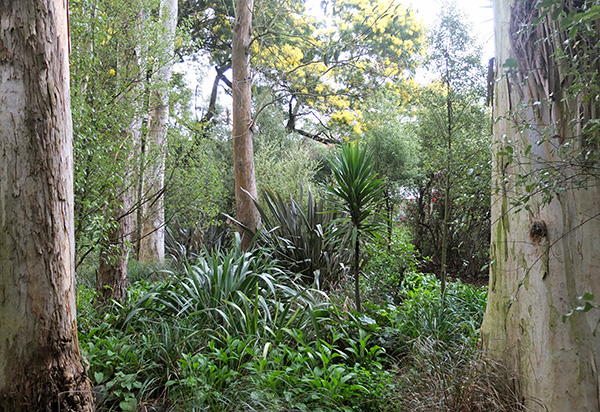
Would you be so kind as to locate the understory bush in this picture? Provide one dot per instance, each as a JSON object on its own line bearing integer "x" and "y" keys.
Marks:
{"x": 296, "y": 233}
{"x": 390, "y": 261}
{"x": 441, "y": 377}
{"x": 230, "y": 332}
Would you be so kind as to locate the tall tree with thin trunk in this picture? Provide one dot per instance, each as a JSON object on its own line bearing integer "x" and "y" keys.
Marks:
{"x": 243, "y": 150}
{"x": 40, "y": 361}
{"x": 152, "y": 236}
{"x": 545, "y": 210}
{"x": 452, "y": 125}
{"x": 115, "y": 248}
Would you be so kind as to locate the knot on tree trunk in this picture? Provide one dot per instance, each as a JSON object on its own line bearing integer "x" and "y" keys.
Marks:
{"x": 538, "y": 230}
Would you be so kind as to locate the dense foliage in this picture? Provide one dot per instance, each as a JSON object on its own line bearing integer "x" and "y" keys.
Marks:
{"x": 282, "y": 326}
{"x": 230, "y": 332}
{"x": 449, "y": 210}
{"x": 296, "y": 233}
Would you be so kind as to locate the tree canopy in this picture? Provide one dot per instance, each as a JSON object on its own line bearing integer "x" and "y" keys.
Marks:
{"x": 322, "y": 68}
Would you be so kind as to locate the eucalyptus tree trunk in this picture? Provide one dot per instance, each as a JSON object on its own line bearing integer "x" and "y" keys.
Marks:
{"x": 545, "y": 254}
{"x": 40, "y": 361}
{"x": 449, "y": 132}
{"x": 152, "y": 236}
{"x": 111, "y": 278}
{"x": 243, "y": 150}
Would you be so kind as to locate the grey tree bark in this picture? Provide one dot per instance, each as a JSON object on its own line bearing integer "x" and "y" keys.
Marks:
{"x": 111, "y": 278}
{"x": 243, "y": 149}
{"x": 40, "y": 362}
{"x": 546, "y": 255}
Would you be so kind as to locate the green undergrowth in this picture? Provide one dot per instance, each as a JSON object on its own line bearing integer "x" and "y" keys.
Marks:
{"x": 232, "y": 332}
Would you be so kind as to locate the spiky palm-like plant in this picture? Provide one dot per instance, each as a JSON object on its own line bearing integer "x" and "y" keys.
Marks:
{"x": 355, "y": 194}
{"x": 295, "y": 231}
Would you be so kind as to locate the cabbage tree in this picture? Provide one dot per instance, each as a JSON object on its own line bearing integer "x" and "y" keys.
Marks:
{"x": 355, "y": 194}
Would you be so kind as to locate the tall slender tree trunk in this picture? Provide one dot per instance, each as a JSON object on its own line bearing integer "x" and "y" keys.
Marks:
{"x": 40, "y": 363}
{"x": 449, "y": 132}
{"x": 111, "y": 278}
{"x": 152, "y": 237}
{"x": 545, "y": 257}
{"x": 243, "y": 149}
{"x": 389, "y": 207}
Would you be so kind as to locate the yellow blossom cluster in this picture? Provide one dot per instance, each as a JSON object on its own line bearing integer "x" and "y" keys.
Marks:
{"x": 331, "y": 65}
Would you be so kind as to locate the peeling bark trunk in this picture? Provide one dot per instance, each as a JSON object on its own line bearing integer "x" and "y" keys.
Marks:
{"x": 40, "y": 362}
{"x": 243, "y": 149}
{"x": 152, "y": 239}
{"x": 545, "y": 257}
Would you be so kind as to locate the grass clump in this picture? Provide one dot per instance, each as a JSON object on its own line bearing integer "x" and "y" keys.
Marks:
{"x": 442, "y": 377}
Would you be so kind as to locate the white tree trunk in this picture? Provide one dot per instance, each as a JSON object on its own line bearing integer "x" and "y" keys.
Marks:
{"x": 40, "y": 362}
{"x": 545, "y": 257}
{"x": 152, "y": 236}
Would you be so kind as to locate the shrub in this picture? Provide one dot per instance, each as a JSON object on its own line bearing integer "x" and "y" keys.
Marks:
{"x": 231, "y": 333}
{"x": 441, "y": 378}
{"x": 126, "y": 366}
{"x": 228, "y": 293}
{"x": 388, "y": 265}
{"x": 295, "y": 232}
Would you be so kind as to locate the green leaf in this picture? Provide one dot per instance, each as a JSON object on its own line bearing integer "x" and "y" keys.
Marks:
{"x": 543, "y": 4}
{"x": 99, "y": 377}
{"x": 592, "y": 14}
{"x": 129, "y": 404}
{"x": 586, "y": 308}
{"x": 556, "y": 13}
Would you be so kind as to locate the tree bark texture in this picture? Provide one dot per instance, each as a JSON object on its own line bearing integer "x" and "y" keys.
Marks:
{"x": 152, "y": 237}
{"x": 243, "y": 150}
{"x": 40, "y": 362}
{"x": 111, "y": 279}
{"x": 545, "y": 257}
